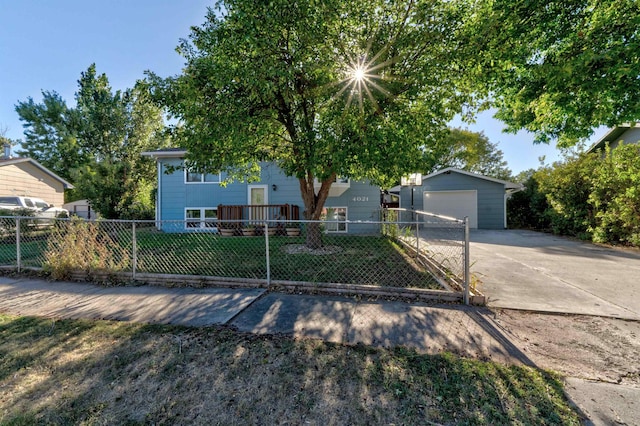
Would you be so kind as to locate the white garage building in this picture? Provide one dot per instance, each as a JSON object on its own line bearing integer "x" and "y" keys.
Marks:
{"x": 458, "y": 193}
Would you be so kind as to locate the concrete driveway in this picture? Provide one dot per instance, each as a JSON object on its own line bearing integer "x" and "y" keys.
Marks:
{"x": 542, "y": 272}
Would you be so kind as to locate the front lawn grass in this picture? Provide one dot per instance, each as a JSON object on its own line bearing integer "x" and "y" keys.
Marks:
{"x": 99, "y": 372}
{"x": 372, "y": 260}
{"x": 32, "y": 253}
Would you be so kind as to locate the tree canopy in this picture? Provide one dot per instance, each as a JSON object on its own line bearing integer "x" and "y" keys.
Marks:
{"x": 558, "y": 69}
{"x": 357, "y": 88}
{"x": 339, "y": 87}
{"x": 50, "y": 136}
{"x": 97, "y": 143}
{"x": 465, "y": 150}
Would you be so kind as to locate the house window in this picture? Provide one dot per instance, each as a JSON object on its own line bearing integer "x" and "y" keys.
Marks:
{"x": 338, "y": 180}
{"x": 339, "y": 186}
{"x": 335, "y": 219}
{"x": 194, "y": 177}
{"x": 200, "y": 218}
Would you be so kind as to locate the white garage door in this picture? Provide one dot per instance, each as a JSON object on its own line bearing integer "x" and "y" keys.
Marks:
{"x": 456, "y": 204}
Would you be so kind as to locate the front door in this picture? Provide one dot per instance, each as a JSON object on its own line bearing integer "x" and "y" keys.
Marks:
{"x": 258, "y": 197}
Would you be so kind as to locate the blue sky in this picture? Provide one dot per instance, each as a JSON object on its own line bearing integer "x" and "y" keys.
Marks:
{"x": 45, "y": 45}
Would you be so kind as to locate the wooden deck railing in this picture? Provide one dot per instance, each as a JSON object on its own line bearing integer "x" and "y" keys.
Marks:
{"x": 239, "y": 216}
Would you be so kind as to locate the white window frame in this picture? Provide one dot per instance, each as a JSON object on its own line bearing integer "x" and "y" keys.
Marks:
{"x": 202, "y": 178}
{"x": 338, "y": 223}
{"x": 202, "y": 221}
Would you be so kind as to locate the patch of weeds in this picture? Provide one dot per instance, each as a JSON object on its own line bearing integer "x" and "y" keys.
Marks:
{"x": 79, "y": 245}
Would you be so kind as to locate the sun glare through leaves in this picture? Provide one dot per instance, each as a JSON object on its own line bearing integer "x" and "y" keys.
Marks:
{"x": 362, "y": 78}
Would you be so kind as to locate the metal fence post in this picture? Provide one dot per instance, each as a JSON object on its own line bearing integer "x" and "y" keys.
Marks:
{"x": 134, "y": 249}
{"x": 266, "y": 239}
{"x": 466, "y": 260}
{"x": 18, "y": 259}
{"x": 417, "y": 238}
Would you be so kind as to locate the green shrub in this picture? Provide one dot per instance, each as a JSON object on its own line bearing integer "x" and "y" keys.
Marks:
{"x": 589, "y": 196}
{"x": 567, "y": 186}
{"x": 529, "y": 208}
{"x": 616, "y": 196}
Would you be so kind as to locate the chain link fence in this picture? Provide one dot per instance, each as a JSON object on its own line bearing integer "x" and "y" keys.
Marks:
{"x": 404, "y": 252}
{"x": 438, "y": 243}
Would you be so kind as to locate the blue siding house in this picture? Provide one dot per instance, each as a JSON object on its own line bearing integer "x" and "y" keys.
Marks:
{"x": 458, "y": 193}
{"x": 624, "y": 133}
{"x": 196, "y": 198}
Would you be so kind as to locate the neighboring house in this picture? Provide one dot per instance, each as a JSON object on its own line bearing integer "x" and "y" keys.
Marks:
{"x": 80, "y": 208}
{"x": 458, "y": 193}
{"x": 627, "y": 133}
{"x": 27, "y": 177}
{"x": 201, "y": 201}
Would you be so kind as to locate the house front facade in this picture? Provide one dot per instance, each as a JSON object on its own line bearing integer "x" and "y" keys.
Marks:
{"x": 201, "y": 201}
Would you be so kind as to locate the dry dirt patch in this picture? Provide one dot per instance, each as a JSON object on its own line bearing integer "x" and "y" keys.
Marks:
{"x": 593, "y": 348}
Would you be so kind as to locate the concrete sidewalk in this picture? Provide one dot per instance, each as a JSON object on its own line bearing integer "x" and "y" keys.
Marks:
{"x": 468, "y": 331}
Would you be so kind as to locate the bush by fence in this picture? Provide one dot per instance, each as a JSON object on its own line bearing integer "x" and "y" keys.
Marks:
{"x": 590, "y": 196}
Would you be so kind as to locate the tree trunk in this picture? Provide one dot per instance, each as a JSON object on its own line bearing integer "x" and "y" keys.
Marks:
{"x": 314, "y": 236}
{"x": 313, "y": 205}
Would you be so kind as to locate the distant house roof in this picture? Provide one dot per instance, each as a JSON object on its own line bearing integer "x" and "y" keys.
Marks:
{"x": 166, "y": 153}
{"x": 448, "y": 170}
{"x": 18, "y": 160}
{"x": 611, "y": 136}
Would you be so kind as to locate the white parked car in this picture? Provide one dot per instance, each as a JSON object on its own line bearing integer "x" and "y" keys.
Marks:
{"x": 38, "y": 205}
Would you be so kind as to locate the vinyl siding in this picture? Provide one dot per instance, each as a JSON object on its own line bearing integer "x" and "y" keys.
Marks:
{"x": 25, "y": 179}
{"x": 361, "y": 199}
{"x": 631, "y": 136}
{"x": 490, "y": 196}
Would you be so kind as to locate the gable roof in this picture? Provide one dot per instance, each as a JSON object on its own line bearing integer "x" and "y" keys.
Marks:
{"x": 611, "y": 136}
{"x": 449, "y": 170}
{"x": 165, "y": 153}
{"x": 18, "y": 160}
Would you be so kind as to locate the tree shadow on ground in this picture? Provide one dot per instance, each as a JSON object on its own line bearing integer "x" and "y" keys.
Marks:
{"x": 108, "y": 373}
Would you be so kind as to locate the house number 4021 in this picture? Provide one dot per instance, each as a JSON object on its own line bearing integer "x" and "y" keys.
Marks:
{"x": 360, "y": 199}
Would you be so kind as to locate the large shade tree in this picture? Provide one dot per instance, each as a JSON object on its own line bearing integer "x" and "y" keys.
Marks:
{"x": 50, "y": 134}
{"x": 557, "y": 68}
{"x": 330, "y": 88}
{"x": 97, "y": 143}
